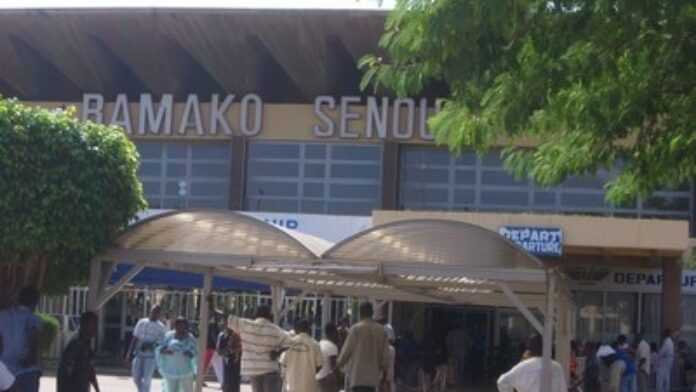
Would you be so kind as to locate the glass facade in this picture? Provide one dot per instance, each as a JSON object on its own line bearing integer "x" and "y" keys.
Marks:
{"x": 433, "y": 179}
{"x": 185, "y": 175}
{"x": 340, "y": 179}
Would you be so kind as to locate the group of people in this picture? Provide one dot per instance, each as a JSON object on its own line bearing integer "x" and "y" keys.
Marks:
{"x": 624, "y": 367}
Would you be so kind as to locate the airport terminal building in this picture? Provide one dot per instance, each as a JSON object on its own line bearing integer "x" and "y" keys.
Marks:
{"x": 261, "y": 111}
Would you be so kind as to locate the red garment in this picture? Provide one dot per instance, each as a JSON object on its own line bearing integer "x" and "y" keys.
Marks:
{"x": 208, "y": 358}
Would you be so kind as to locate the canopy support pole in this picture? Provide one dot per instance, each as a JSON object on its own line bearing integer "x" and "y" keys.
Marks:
{"x": 107, "y": 294}
{"x": 564, "y": 329}
{"x": 325, "y": 311}
{"x": 277, "y": 297}
{"x": 203, "y": 321}
{"x": 546, "y": 380}
{"x": 522, "y": 308}
{"x": 95, "y": 274}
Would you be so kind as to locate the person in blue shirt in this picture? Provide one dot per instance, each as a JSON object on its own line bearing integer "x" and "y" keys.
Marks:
{"x": 177, "y": 358}
{"x": 19, "y": 332}
{"x": 629, "y": 378}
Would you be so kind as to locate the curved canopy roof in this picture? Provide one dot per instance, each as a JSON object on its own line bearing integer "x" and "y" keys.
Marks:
{"x": 417, "y": 260}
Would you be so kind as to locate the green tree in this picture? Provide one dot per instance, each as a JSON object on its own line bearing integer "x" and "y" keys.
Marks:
{"x": 567, "y": 87}
{"x": 67, "y": 188}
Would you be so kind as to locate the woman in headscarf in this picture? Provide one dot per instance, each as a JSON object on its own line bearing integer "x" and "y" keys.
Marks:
{"x": 177, "y": 358}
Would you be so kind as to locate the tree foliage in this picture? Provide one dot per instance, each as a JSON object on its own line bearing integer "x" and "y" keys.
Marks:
{"x": 587, "y": 84}
{"x": 66, "y": 190}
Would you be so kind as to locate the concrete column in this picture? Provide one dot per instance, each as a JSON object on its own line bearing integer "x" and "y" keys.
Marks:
{"x": 671, "y": 294}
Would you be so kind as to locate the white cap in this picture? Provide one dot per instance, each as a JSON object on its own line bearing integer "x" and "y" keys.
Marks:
{"x": 391, "y": 336}
{"x": 605, "y": 351}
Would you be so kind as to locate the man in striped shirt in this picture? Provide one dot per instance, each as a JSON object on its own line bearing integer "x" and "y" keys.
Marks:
{"x": 261, "y": 340}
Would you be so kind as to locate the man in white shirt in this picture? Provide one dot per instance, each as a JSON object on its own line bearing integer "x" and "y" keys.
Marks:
{"x": 328, "y": 382}
{"x": 643, "y": 357}
{"x": 261, "y": 340}
{"x": 665, "y": 363}
{"x": 7, "y": 380}
{"x": 526, "y": 376}
{"x": 302, "y": 361}
{"x": 148, "y": 333}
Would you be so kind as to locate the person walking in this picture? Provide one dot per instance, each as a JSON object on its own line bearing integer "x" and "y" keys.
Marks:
{"x": 665, "y": 362}
{"x": 20, "y": 335}
{"x": 628, "y": 378}
{"x": 644, "y": 365}
{"x": 526, "y": 376}
{"x": 75, "y": 370}
{"x": 365, "y": 353}
{"x": 147, "y": 335}
{"x": 327, "y": 378}
{"x": 213, "y": 333}
{"x": 177, "y": 358}
{"x": 261, "y": 341}
{"x": 302, "y": 360}
{"x": 616, "y": 368}
{"x": 229, "y": 348}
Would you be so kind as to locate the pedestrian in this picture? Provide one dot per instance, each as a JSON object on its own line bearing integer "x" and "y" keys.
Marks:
{"x": 229, "y": 348}
{"x": 20, "y": 335}
{"x": 527, "y": 375}
{"x": 615, "y": 369}
{"x": 389, "y": 384}
{"x": 177, "y": 358}
{"x": 261, "y": 341}
{"x": 590, "y": 377}
{"x": 343, "y": 330}
{"x": 327, "y": 378}
{"x": 147, "y": 335}
{"x": 75, "y": 370}
{"x": 365, "y": 353}
{"x": 213, "y": 332}
{"x": 302, "y": 360}
{"x": 458, "y": 344}
{"x": 665, "y": 362}
{"x": 628, "y": 378}
{"x": 644, "y": 366}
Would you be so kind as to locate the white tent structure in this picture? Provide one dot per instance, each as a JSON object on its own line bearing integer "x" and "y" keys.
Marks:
{"x": 434, "y": 261}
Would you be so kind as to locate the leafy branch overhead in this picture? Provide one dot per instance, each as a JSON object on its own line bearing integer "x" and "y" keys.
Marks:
{"x": 566, "y": 87}
{"x": 66, "y": 190}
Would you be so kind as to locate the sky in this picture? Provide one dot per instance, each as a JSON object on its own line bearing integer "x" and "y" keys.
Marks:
{"x": 270, "y": 4}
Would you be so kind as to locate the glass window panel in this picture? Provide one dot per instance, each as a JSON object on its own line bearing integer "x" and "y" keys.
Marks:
{"x": 465, "y": 177}
{"x": 667, "y": 203}
{"x": 177, "y": 151}
{"x": 350, "y": 208}
{"x": 208, "y": 203}
{"x": 431, "y": 176}
{"x": 313, "y": 190}
{"x": 171, "y": 188}
{"x": 416, "y": 156}
{"x": 219, "y": 151}
{"x": 505, "y": 198}
{"x": 354, "y": 191}
{"x": 149, "y": 150}
{"x": 315, "y": 151}
{"x": 256, "y": 189}
{"x": 582, "y": 200}
{"x": 619, "y": 314}
{"x": 688, "y": 328}
{"x": 465, "y": 159}
{"x": 585, "y": 182}
{"x": 174, "y": 203}
{"x": 652, "y": 316}
{"x": 274, "y": 150}
{"x": 590, "y": 308}
{"x": 219, "y": 170}
{"x": 346, "y": 170}
{"x": 154, "y": 203}
{"x": 355, "y": 153}
{"x": 273, "y": 169}
{"x": 176, "y": 170}
{"x": 150, "y": 169}
{"x": 492, "y": 159}
{"x": 545, "y": 199}
{"x": 500, "y": 177}
{"x": 151, "y": 188}
{"x": 464, "y": 196}
{"x": 425, "y": 195}
{"x": 313, "y": 206}
{"x": 208, "y": 189}
{"x": 272, "y": 205}
{"x": 314, "y": 170}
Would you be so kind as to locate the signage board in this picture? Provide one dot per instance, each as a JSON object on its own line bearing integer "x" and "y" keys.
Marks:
{"x": 539, "y": 241}
{"x": 628, "y": 280}
{"x": 332, "y": 228}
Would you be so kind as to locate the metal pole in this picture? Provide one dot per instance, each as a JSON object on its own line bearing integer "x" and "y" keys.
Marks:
{"x": 203, "y": 321}
{"x": 546, "y": 384}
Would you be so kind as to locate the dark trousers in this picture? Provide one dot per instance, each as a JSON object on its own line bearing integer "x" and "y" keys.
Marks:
{"x": 269, "y": 382}
{"x": 364, "y": 389}
{"x": 231, "y": 378}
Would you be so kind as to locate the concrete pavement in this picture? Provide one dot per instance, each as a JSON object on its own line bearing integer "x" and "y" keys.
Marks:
{"x": 110, "y": 383}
